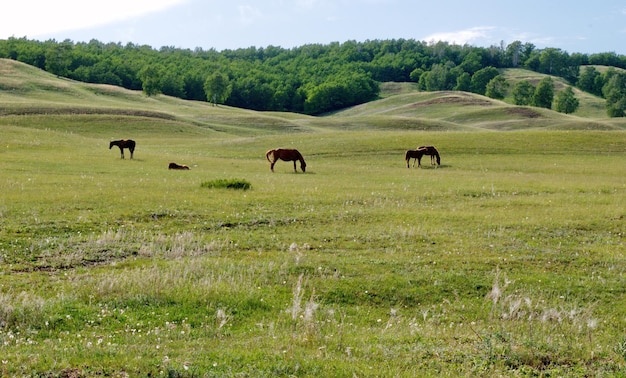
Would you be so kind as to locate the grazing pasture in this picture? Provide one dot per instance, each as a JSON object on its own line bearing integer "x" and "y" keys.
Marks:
{"x": 505, "y": 260}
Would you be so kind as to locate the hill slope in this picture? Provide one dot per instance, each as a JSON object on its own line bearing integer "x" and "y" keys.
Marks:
{"x": 28, "y": 91}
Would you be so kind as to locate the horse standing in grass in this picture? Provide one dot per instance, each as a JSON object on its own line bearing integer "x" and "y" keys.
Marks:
{"x": 414, "y": 154}
{"x": 286, "y": 155}
{"x": 432, "y": 151}
{"x": 122, "y": 144}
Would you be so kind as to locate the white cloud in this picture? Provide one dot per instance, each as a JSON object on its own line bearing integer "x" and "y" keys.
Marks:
{"x": 32, "y": 18}
{"x": 461, "y": 37}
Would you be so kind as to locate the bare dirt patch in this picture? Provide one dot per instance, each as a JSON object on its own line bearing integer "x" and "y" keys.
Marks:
{"x": 523, "y": 112}
{"x": 456, "y": 100}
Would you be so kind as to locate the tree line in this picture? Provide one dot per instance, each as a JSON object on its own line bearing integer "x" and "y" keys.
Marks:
{"x": 318, "y": 78}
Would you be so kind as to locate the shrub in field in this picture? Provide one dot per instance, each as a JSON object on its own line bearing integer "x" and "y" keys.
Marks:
{"x": 227, "y": 183}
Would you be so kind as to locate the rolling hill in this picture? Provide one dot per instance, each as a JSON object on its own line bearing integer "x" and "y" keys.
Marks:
{"x": 28, "y": 91}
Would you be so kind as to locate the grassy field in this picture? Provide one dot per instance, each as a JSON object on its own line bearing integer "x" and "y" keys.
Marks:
{"x": 506, "y": 260}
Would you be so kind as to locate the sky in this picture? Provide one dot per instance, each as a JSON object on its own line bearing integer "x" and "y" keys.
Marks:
{"x": 586, "y": 27}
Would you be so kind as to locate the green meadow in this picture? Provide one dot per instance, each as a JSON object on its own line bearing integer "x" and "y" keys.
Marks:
{"x": 505, "y": 260}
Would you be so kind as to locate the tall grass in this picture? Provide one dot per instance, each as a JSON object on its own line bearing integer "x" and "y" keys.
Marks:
{"x": 503, "y": 260}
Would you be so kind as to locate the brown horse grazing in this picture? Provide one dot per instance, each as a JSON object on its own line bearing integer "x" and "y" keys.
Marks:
{"x": 432, "y": 151}
{"x": 286, "y": 155}
{"x": 177, "y": 166}
{"x": 414, "y": 154}
{"x": 124, "y": 143}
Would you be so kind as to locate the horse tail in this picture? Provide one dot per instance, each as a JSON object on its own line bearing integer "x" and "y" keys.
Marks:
{"x": 267, "y": 155}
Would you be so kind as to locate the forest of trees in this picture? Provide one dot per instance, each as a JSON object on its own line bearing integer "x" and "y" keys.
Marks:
{"x": 317, "y": 78}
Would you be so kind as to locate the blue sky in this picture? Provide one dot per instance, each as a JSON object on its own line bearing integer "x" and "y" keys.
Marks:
{"x": 586, "y": 27}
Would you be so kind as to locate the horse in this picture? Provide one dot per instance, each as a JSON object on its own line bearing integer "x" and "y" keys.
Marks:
{"x": 178, "y": 166}
{"x": 432, "y": 151}
{"x": 124, "y": 143}
{"x": 414, "y": 154}
{"x": 286, "y": 155}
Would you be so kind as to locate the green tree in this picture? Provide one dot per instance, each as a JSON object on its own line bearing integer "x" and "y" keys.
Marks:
{"x": 437, "y": 78}
{"x": 150, "y": 77}
{"x": 194, "y": 86}
{"x": 497, "y": 87}
{"x": 552, "y": 61}
{"x": 513, "y": 53}
{"x": 523, "y": 92}
{"x": 416, "y": 74}
{"x": 544, "y": 93}
{"x": 340, "y": 91}
{"x": 615, "y": 94}
{"x": 527, "y": 52}
{"x": 587, "y": 81}
{"x": 481, "y": 78}
{"x": 472, "y": 62}
{"x": 463, "y": 82}
{"x": 59, "y": 58}
{"x": 566, "y": 101}
{"x": 217, "y": 88}
{"x": 557, "y": 62}
{"x": 172, "y": 84}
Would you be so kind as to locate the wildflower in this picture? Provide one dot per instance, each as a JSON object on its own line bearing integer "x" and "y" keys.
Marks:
{"x": 592, "y": 323}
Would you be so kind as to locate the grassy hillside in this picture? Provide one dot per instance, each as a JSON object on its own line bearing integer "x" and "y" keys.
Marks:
{"x": 29, "y": 91}
{"x": 505, "y": 260}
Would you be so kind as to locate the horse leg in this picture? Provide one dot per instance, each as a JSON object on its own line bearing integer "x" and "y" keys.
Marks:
{"x": 419, "y": 162}
{"x": 294, "y": 167}
{"x": 131, "y": 153}
{"x": 272, "y": 166}
{"x": 122, "y": 152}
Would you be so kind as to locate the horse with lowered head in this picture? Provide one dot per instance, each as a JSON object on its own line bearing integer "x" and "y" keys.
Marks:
{"x": 413, "y": 154}
{"x": 122, "y": 144}
{"x": 432, "y": 151}
{"x": 421, "y": 151}
{"x": 286, "y": 155}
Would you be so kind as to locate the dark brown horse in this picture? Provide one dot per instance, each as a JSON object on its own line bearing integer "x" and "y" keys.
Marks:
{"x": 432, "y": 151}
{"x": 414, "y": 154}
{"x": 286, "y": 155}
{"x": 177, "y": 166}
{"x": 122, "y": 144}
